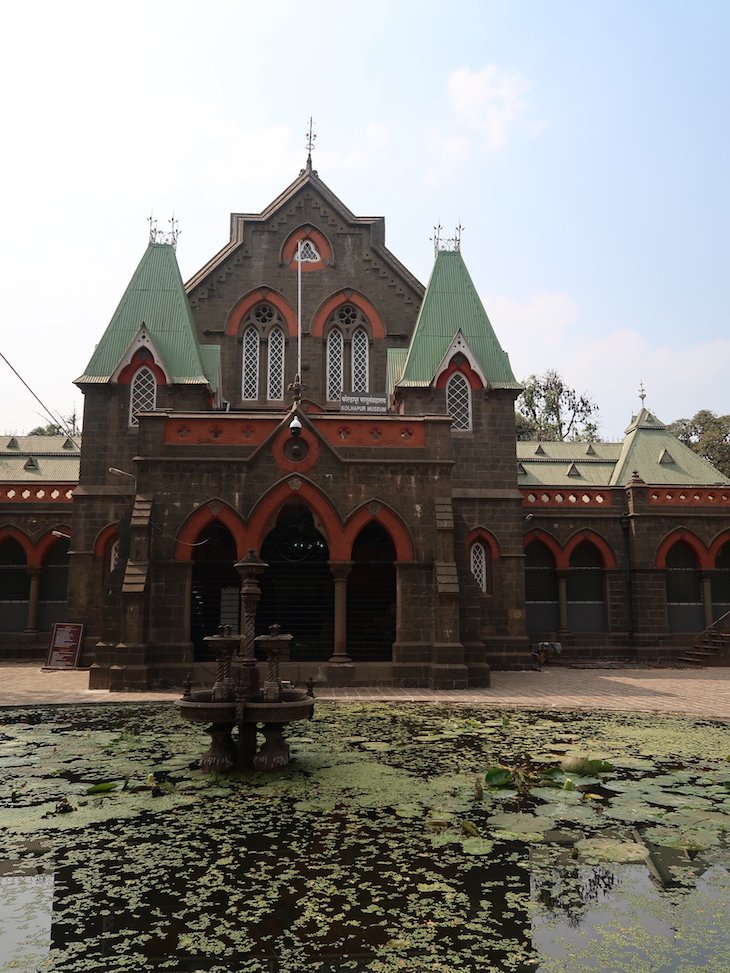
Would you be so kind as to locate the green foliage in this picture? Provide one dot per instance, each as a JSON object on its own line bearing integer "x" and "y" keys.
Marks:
{"x": 708, "y": 435}
{"x": 548, "y": 409}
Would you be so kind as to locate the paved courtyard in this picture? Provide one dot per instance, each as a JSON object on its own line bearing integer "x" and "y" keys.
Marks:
{"x": 692, "y": 692}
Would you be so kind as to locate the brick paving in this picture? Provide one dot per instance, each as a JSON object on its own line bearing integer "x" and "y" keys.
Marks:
{"x": 691, "y": 692}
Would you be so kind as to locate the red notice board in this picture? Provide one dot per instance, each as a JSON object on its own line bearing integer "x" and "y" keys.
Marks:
{"x": 65, "y": 646}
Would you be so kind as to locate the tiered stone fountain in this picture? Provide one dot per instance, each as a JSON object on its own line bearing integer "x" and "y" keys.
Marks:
{"x": 241, "y": 701}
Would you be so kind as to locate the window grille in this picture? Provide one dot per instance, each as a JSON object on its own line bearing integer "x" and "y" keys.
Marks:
{"x": 276, "y": 364}
{"x": 308, "y": 252}
{"x": 334, "y": 365}
{"x": 250, "y": 384}
{"x": 479, "y": 565}
{"x": 458, "y": 401}
{"x": 114, "y": 555}
{"x": 360, "y": 370}
{"x": 142, "y": 394}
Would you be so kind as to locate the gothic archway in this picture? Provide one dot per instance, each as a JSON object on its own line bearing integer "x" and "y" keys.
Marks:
{"x": 215, "y": 588}
{"x": 371, "y": 596}
{"x": 296, "y": 588}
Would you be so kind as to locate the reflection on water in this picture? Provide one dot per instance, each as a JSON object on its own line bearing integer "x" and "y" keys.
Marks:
{"x": 26, "y": 914}
{"x": 380, "y": 848}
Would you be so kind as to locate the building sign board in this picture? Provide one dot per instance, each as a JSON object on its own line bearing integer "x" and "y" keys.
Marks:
{"x": 65, "y": 646}
{"x": 364, "y": 402}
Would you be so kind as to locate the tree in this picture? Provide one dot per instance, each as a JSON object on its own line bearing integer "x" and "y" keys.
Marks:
{"x": 548, "y": 409}
{"x": 67, "y": 425}
{"x": 708, "y": 435}
{"x": 50, "y": 430}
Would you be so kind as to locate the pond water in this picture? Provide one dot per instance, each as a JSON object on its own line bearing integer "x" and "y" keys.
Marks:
{"x": 400, "y": 838}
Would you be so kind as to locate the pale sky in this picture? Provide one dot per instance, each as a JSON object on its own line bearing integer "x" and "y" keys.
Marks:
{"x": 584, "y": 147}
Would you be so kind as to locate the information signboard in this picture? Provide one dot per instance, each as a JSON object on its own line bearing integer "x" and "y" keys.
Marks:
{"x": 366, "y": 402}
{"x": 63, "y": 652}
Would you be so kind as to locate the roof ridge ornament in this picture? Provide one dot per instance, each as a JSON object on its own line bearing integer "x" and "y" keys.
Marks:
{"x": 164, "y": 236}
{"x": 450, "y": 244}
{"x": 311, "y": 138}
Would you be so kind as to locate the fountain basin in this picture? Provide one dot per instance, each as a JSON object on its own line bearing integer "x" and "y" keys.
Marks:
{"x": 221, "y": 716}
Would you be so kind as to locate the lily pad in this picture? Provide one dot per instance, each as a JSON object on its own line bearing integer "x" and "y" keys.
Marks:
{"x": 595, "y": 850}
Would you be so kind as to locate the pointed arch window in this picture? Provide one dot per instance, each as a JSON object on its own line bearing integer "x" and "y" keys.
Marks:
{"x": 308, "y": 253}
{"x": 360, "y": 362}
{"x": 479, "y": 565}
{"x": 275, "y": 385}
{"x": 458, "y": 401}
{"x": 250, "y": 383}
{"x": 335, "y": 349}
{"x": 142, "y": 394}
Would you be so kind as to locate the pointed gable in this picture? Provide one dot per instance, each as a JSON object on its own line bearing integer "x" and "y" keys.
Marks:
{"x": 451, "y": 306}
{"x": 154, "y": 302}
{"x": 658, "y": 457}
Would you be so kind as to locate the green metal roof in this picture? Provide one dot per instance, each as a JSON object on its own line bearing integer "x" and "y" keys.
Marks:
{"x": 659, "y": 457}
{"x": 394, "y": 367}
{"x": 451, "y": 306}
{"x": 155, "y": 301}
{"x": 39, "y": 459}
{"x": 648, "y": 447}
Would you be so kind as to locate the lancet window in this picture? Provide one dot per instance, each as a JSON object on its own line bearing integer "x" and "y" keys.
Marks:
{"x": 479, "y": 565}
{"x": 347, "y": 352}
{"x": 458, "y": 401}
{"x": 142, "y": 394}
{"x": 263, "y": 354}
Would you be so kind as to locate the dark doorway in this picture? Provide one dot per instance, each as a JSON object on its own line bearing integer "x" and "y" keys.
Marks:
{"x": 14, "y": 586}
{"x": 371, "y": 596}
{"x": 215, "y": 593}
{"x": 296, "y": 589}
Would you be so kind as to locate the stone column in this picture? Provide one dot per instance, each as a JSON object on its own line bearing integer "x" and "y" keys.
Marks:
{"x": 706, "y": 598}
{"x": 250, "y": 568}
{"x": 563, "y": 601}
{"x": 35, "y": 583}
{"x": 340, "y": 572}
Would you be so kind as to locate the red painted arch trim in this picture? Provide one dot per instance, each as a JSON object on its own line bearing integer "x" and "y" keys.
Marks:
{"x": 142, "y": 358}
{"x": 211, "y": 512}
{"x": 46, "y": 543}
{"x": 602, "y": 546}
{"x": 487, "y": 538}
{"x": 389, "y": 521}
{"x": 320, "y": 241}
{"x": 717, "y": 544}
{"x": 466, "y": 370}
{"x": 550, "y": 543}
{"x": 262, "y": 294}
{"x": 264, "y": 514}
{"x": 328, "y": 307}
{"x": 22, "y": 539}
{"x": 704, "y": 562}
{"x": 106, "y": 536}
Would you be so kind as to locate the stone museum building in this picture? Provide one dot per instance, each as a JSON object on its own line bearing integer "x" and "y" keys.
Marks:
{"x": 304, "y": 418}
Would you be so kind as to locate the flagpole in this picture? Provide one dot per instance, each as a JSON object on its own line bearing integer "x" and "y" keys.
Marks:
{"x": 299, "y": 311}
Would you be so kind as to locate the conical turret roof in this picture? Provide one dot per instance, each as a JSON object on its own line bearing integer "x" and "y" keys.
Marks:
{"x": 154, "y": 301}
{"x": 451, "y": 306}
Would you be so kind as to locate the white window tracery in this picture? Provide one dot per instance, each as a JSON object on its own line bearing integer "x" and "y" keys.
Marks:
{"x": 478, "y": 559}
{"x": 335, "y": 348}
{"x": 250, "y": 378}
{"x": 360, "y": 362}
{"x": 458, "y": 401}
{"x": 307, "y": 253}
{"x": 142, "y": 394}
{"x": 275, "y": 385}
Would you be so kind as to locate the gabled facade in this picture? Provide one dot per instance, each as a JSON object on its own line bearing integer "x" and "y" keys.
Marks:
{"x": 305, "y": 402}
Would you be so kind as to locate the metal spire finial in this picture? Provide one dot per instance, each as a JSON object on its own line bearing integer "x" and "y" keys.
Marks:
{"x": 311, "y": 136}
{"x": 642, "y": 393}
{"x": 161, "y": 236}
{"x": 451, "y": 243}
